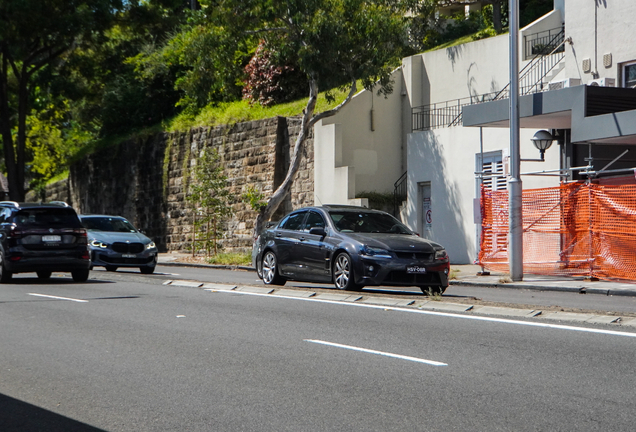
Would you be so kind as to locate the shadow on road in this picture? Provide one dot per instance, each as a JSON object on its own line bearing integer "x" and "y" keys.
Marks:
{"x": 18, "y": 416}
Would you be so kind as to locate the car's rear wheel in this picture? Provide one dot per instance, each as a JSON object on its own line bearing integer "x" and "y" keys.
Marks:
{"x": 342, "y": 273}
{"x": 44, "y": 274}
{"x": 433, "y": 290}
{"x": 5, "y": 275}
{"x": 270, "y": 270}
{"x": 80, "y": 275}
{"x": 147, "y": 270}
{"x": 111, "y": 268}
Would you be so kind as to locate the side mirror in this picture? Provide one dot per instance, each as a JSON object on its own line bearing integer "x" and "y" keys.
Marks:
{"x": 318, "y": 231}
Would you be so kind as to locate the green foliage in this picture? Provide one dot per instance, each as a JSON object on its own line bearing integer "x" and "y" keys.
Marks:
{"x": 378, "y": 200}
{"x": 231, "y": 259}
{"x": 53, "y": 138}
{"x": 269, "y": 83}
{"x": 209, "y": 200}
{"x": 254, "y": 198}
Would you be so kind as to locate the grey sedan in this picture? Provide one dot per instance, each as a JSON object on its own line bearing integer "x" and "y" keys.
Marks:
{"x": 350, "y": 246}
{"x": 114, "y": 242}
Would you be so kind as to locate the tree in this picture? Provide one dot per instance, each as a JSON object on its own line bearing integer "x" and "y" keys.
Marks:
{"x": 34, "y": 36}
{"x": 333, "y": 42}
{"x": 209, "y": 197}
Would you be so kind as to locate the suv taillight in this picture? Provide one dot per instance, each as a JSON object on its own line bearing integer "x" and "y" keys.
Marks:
{"x": 14, "y": 232}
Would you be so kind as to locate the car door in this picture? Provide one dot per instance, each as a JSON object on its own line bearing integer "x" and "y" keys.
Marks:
{"x": 286, "y": 237}
{"x": 312, "y": 249}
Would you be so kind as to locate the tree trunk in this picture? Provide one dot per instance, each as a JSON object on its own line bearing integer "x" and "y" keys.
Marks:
{"x": 23, "y": 109}
{"x": 496, "y": 15}
{"x": 308, "y": 121}
{"x": 5, "y": 128}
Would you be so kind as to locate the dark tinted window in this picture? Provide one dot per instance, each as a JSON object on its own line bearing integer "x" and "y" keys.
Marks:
{"x": 294, "y": 221}
{"x": 47, "y": 217}
{"x": 314, "y": 220}
{"x": 107, "y": 224}
{"x": 367, "y": 222}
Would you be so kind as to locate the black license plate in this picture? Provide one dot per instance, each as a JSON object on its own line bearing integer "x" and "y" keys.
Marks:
{"x": 416, "y": 270}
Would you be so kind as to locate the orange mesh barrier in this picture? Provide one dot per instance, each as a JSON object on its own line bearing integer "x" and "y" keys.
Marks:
{"x": 574, "y": 229}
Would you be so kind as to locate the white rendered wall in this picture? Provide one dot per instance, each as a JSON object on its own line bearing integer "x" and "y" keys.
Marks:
{"x": 447, "y": 159}
{"x": 357, "y": 151}
{"x": 599, "y": 28}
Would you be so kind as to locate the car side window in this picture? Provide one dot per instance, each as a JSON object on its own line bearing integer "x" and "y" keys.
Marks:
{"x": 314, "y": 220}
{"x": 3, "y": 215}
{"x": 294, "y": 222}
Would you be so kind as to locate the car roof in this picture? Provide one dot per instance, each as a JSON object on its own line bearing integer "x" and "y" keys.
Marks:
{"x": 100, "y": 216}
{"x": 27, "y": 205}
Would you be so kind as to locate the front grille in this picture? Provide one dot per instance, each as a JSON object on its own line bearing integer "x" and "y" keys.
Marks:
{"x": 128, "y": 247}
{"x": 420, "y": 256}
{"x": 130, "y": 261}
{"x": 404, "y": 278}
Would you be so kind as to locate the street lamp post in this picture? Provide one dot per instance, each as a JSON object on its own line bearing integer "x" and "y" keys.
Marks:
{"x": 515, "y": 188}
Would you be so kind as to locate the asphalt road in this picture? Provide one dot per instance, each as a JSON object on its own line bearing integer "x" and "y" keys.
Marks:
{"x": 123, "y": 352}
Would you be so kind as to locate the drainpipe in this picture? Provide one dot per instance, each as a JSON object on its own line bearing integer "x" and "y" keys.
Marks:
{"x": 515, "y": 187}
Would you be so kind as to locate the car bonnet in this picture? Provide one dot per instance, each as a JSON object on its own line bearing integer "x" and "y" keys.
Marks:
{"x": 114, "y": 237}
{"x": 401, "y": 242}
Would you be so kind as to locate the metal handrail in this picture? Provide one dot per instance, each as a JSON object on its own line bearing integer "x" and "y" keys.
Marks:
{"x": 399, "y": 193}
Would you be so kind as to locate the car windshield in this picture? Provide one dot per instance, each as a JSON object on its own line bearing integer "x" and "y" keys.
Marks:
{"x": 47, "y": 217}
{"x": 108, "y": 224}
{"x": 367, "y": 222}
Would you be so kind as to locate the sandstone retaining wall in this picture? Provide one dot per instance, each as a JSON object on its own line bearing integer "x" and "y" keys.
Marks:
{"x": 145, "y": 179}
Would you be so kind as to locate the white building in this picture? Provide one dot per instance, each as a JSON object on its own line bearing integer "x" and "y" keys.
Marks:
{"x": 441, "y": 125}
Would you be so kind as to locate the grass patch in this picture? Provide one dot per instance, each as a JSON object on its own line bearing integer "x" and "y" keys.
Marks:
{"x": 231, "y": 258}
{"x": 242, "y": 111}
{"x": 481, "y": 34}
{"x": 453, "y": 274}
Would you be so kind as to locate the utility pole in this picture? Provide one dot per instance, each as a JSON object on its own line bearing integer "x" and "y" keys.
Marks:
{"x": 515, "y": 188}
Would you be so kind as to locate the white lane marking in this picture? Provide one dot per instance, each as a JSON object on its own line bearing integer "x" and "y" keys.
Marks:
{"x": 447, "y": 314}
{"x": 382, "y": 353}
{"x": 58, "y": 298}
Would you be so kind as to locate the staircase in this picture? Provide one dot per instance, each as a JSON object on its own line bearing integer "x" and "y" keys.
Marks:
{"x": 533, "y": 78}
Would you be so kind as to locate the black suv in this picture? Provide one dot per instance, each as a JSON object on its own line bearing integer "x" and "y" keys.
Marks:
{"x": 42, "y": 238}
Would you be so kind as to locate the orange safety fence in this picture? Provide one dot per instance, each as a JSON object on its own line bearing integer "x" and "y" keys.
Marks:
{"x": 576, "y": 229}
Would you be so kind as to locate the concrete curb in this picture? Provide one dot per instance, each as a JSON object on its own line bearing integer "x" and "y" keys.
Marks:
{"x": 573, "y": 286}
{"x": 428, "y": 305}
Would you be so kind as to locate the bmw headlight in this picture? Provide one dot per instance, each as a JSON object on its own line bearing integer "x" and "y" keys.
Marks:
{"x": 375, "y": 252}
{"x": 151, "y": 245}
{"x": 99, "y": 244}
{"x": 440, "y": 254}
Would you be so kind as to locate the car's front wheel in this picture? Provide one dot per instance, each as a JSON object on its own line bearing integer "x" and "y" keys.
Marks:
{"x": 342, "y": 273}
{"x": 269, "y": 268}
{"x": 80, "y": 275}
{"x": 111, "y": 268}
{"x": 147, "y": 270}
{"x": 433, "y": 290}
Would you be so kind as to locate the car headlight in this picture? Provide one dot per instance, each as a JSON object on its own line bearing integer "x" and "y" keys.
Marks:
{"x": 99, "y": 244}
{"x": 375, "y": 252}
{"x": 151, "y": 245}
{"x": 440, "y": 254}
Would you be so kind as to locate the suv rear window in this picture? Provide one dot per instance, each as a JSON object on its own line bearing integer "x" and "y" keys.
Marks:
{"x": 47, "y": 218}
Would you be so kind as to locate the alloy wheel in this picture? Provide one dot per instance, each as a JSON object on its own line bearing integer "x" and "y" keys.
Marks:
{"x": 342, "y": 271}
{"x": 269, "y": 267}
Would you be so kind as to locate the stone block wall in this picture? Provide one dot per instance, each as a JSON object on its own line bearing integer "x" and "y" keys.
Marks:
{"x": 145, "y": 180}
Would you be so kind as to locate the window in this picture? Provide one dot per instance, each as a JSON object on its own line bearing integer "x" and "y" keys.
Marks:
{"x": 492, "y": 167}
{"x": 629, "y": 75}
{"x": 314, "y": 220}
{"x": 294, "y": 221}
